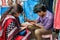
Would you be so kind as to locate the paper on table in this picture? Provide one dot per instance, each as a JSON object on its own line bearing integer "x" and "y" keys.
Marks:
{"x": 27, "y": 23}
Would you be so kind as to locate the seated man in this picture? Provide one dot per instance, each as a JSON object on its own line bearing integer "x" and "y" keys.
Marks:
{"x": 44, "y": 24}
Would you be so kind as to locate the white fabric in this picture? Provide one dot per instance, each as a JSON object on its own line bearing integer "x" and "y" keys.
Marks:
{"x": 1, "y": 31}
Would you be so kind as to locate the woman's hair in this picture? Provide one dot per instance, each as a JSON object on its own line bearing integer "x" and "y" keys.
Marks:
{"x": 39, "y": 7}
{"x": 17, "y": 9}
{"x": 12, "y": 10}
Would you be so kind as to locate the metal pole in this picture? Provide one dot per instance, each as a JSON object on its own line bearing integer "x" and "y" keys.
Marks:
{"x": 59, "y": 35}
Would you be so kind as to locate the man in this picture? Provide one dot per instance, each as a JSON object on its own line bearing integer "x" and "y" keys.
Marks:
{"x": 43, "y": 24}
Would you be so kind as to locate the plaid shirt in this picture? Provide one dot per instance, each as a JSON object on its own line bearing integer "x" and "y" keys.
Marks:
{"x": 47, "y": 21}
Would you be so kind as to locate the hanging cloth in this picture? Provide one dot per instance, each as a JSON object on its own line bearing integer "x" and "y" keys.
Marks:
{"x": 57, "y": 15}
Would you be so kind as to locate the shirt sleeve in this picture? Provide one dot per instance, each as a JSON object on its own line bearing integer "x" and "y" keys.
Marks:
{"x": 37, "y": 20}
{"x": 48, "y": 23}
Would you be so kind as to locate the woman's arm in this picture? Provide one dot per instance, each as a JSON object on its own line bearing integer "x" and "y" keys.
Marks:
{"x": 22, "y": 28}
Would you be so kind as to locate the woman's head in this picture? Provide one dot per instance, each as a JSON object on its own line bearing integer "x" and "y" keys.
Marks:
{"x": 17, "y": 10}
{"x": 14, "y": 10}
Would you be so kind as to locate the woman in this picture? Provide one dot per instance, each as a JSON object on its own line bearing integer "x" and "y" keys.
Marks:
{"x": 10, "y": 22}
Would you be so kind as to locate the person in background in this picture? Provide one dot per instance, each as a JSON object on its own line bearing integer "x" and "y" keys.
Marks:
{"x": 10, "y": 2}
{"x": 10, "y": 22}
{"x": 19, "y": 2}
{"x": 44, "y": 24}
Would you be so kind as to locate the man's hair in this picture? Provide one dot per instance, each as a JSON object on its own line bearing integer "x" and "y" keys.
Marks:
{"x": 39, "y": 8}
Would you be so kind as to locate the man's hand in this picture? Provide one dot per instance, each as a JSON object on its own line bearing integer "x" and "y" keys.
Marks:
{"x": 38, "y": 25}
{"x": 32, "y": 23}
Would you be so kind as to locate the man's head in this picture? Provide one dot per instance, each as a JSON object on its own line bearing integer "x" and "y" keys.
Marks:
{"x": 40, "y": 9}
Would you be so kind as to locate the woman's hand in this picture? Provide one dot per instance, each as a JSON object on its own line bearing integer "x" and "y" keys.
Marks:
{"x": 22, "y": 28}
{"x": 26, "y": 24}
{"x": 23, "y": 24}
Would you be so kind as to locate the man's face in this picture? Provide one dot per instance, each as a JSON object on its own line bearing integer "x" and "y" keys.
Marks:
{"x": 41, "y": 13}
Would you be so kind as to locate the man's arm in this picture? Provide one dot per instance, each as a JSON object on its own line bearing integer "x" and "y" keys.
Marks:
{"x": 35, "y": 21}
{"x": 39, "y": 25}
{"x": 48, "y": 24}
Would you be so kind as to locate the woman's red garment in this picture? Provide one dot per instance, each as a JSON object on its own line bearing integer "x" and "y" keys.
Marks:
{"x": 57, "y": 15}
{"x": 10, "y": 28}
